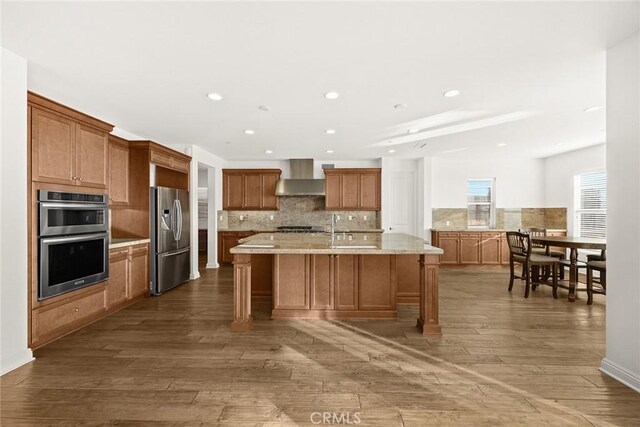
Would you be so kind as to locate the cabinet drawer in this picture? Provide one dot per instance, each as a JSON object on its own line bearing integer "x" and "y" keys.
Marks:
{"x": 139, "y": 250}
{"x": 469, "y": 234}
{"x": 67, "y": 315}
{"x": 491, "y": 235}
{"x": 448, "y": 234}
{"x": 160, "y": 158}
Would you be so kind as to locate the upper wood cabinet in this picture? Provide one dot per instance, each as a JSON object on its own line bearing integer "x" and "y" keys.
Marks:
{"x": 168, "y": 158}
{"x": 352, "y": 189}
{"x": 250, "y": 189}
{"x": 118, "y": 171}
{"x": 67, "y": 147}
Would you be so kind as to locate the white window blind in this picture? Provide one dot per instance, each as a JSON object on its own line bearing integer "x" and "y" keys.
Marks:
{"x": 591, "y": 205}
{"x": 481, "y": 203}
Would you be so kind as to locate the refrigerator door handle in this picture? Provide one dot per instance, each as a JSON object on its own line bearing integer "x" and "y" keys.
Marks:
{"x": 178, "y": 252}
{"x": 174, "y": 220}
{"x": 179, "y": 220}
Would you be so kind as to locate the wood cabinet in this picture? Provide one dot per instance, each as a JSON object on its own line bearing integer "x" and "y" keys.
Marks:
{"x": 490, "y": 248}
{"x": 170, "y": 159}
{"x": 67, "y": 147}
{"x": 250, "y": 189}
{"x": 118, "y": 171}
{"x": 474, "y": 247}
{"x": 334, "y": 286}
{"x": 228, "y": 240}
{"x": 54, "y": 320}
{"x": 450, "y": 244}
{"x": 346, "y": 282}
{"x": 128, "y": 274}
{"x": 469, "y": 248}
{"x": 352, "y": 189}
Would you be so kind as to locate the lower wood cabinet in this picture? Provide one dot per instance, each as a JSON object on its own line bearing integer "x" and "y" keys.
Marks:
{"x": 475, "y": 247}
{"x": 55, "y": 320}
{"x": 323, "y": 284}
{"x": 228, "y": 240}
{"x": 128, "y": 274}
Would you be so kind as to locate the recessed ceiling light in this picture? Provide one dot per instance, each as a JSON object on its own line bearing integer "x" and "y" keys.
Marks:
{"x": 214, "y": 96}
{"x": 250, "y": 132}
{"x": 502, "y": 144}
{"x": 331, "y": 95}
{"x": 268, "y": 151}
{"x": 413, "y": 130}
{"x": 330, "y": 131}
{"x": 391, "y": 151}
{"x": 263, "y": 108}
{"x": 451, "y": 93}
{"x": 329, "y": 151}
{"x": 594, "y": 108}
{"x": 400, "y": 106}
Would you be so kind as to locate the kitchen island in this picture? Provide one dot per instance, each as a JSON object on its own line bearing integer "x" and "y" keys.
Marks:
{"x": 320, "y": 275}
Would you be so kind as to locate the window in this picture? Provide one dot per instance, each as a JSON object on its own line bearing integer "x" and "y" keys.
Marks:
{"x": 591, "y": 205}
{"x": 481, "y": 205}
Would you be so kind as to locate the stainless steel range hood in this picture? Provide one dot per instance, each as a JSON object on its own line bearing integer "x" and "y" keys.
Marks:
{"x": 301, "y": 182}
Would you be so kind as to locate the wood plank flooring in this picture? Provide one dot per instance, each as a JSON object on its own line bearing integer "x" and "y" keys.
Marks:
{"x": 172, "y": 360}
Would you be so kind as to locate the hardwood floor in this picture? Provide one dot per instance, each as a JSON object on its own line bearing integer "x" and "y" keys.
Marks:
{"x": 172, "y": 360}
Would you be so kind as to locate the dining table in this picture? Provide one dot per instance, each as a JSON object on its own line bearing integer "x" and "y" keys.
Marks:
{"x": 573, "y": 243}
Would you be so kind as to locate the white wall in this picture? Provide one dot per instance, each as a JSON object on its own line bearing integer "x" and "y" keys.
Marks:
{"x": 623, "y": 213}
{"x": 519, "y": 182}
{"x": 13, "y": 214}
{"x": 559, "y": 173}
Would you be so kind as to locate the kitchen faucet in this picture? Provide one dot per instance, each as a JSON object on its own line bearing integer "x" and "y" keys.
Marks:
{"x": 334, "y": 220}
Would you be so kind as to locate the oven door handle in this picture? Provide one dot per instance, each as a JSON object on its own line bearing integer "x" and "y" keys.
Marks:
{"x": 77, "y": 238}
{"x": 73, "y": 205}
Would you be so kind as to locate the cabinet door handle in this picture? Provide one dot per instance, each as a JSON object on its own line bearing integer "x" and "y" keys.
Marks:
{"x": 81, "y": 179}
{"x": 76, "y": 309}
{"x": 74, "y": 178}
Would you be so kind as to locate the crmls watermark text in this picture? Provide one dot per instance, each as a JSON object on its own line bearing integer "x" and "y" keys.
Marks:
{"x": 335, "y": 418}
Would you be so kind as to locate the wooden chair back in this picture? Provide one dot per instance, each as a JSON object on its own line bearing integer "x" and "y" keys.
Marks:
{"x": 519, "y": 244}
{"x": 535, "y": 232}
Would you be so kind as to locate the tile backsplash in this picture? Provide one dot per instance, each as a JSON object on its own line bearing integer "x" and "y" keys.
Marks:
{"x": 297, "y": 211}
{"x": 506, "y": 218}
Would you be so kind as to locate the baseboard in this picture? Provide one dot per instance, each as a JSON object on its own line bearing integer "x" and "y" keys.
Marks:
{"x": 619, "y": 373}
{"x": 213, "y": 265}
{"x": 17, "y": 360}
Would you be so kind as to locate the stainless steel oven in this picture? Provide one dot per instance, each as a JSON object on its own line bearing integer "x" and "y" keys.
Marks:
{"x": 72, "y": 213}
{"x": 72, "y": 262}
{"x": 73, "y": 241}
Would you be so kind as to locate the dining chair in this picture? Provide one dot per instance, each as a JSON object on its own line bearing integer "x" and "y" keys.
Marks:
{"x": 601, "y": 267}
{"x": 542, "y": 249}
{"x": 520, "y": 251}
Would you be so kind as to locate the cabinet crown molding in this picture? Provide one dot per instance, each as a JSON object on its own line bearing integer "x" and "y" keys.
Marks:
{"x": 45, "y": 103}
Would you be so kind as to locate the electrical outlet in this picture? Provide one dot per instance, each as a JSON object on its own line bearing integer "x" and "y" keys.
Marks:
{"x": 271, "y": 217}
{"x": 337, "y": 217}
{"x": 220, "y": 218}
{"x": 448, "y": 222}
{"x": 350, "y": 217}
{"x": 364, "y": 217}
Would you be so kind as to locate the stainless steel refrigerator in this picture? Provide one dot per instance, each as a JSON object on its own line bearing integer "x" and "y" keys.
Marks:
{"x": 170, "y": 238}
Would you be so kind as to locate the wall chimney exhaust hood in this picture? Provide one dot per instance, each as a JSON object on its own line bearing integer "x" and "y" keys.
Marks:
{"x": 301, "y": 182}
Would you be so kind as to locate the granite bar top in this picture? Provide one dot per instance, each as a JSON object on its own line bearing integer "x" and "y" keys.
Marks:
{"x": 273, "y": 230}
{"x": 489, "y": 230}
{"x": 322, "y": 243}
{"x": 124, "y": 242}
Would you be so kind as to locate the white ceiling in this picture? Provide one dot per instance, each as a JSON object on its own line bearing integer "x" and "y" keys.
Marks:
{"x": 526, "y": 72}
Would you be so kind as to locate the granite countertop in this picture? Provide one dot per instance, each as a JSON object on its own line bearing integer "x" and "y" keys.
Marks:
{"x": 273, "y": 230}
{"x": 489, "y": 230}
{"x": 321, "y": 243}
{"x": 124, "y": 242}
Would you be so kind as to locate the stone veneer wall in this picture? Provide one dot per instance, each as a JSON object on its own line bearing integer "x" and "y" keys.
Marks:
{"x": 308, "y": 210}
{"x": 506, "y": 218}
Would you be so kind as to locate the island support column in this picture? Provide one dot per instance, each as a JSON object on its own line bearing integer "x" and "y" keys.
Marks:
{"x": 428, "y": 320}
{"x": 242, "y": 320}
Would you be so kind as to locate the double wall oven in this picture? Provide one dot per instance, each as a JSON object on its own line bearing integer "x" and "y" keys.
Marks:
{"x": 73, "y": 241}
